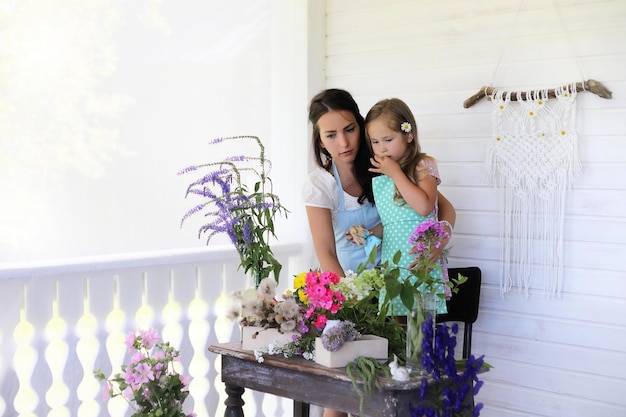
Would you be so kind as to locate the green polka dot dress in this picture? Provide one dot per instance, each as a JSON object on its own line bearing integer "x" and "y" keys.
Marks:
{"x": 399, "y": 222}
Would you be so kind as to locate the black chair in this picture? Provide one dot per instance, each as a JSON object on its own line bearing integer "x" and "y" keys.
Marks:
{"x": 463, "y": 306}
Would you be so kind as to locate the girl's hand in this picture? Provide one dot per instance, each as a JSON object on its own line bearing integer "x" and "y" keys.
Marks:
{"x": 385, "y": 165}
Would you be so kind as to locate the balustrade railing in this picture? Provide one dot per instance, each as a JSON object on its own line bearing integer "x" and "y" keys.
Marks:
{"x": 62, "y": 320}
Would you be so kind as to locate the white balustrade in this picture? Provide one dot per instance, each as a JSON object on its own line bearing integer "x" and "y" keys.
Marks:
{"x": 63, "y": 320}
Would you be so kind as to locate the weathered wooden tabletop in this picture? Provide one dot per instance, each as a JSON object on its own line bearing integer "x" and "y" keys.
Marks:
{"x": 307, "y": 382}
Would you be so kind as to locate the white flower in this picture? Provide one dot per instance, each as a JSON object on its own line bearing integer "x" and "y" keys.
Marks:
{"x": 288, "y": 308}
{"x": 288, "y": 325}
{"x": 267, "y": 288}
{"x": 406, "y": 127}
{"x": 258, "y": 354}
{"x": 272, "y": 348}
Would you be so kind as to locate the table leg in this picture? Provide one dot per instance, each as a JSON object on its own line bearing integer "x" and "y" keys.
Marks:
{"x": 300, "y": 409}
{"x": 234, "y": 403}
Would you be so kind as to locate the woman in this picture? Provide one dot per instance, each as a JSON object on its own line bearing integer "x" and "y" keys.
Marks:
{"x": 338, "y": 193}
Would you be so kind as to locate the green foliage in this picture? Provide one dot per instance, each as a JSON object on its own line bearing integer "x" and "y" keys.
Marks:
{"x": 366, "y": 371}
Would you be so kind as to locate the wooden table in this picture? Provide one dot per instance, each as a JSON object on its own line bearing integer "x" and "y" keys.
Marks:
{"x": 307, "y": 383}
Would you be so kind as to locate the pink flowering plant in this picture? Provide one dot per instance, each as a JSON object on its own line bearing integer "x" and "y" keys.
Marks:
{"x": 320, "y": 298}
{"x": 427, "y": 237}
{"x": 149, "y": 382}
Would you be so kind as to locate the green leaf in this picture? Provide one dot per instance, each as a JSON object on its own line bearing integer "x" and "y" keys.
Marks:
{"x": 397, "y": 257}
{"x": 407, "y": 295}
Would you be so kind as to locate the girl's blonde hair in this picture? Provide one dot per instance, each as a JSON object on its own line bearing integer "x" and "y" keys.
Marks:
{"x": 396, "y": 112}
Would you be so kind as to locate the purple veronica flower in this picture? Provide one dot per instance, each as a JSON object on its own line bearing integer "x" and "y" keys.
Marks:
{"x": 236, "y": 158}
{"x": 244, "y": 212}
{"x": 216, "y": 140}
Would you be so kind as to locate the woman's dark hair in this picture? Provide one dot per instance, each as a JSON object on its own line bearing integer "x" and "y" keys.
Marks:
{"x": 335, "y": 99}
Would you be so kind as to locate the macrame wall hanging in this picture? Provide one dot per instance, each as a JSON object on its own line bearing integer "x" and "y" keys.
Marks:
{"x": 532, "y": 158}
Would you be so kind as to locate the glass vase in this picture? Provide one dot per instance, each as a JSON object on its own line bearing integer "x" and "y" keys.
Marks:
{"x": 420, "y": 328}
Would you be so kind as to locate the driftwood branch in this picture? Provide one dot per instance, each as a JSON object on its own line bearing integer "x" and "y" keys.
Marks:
{"x": 590, "y": 85}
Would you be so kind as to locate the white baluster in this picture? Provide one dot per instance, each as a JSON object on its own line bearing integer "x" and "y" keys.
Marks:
{"x": 24, "y": 361}
{"x": 87, "y": 351}
{"x": 3, "y": 405}
{"x": 172, "y": 329}
{"x": 116, "y": 349}
{"x": 145, "y": 314}
{"x": 199, "y": 328}
{"x": 56, "y": 356}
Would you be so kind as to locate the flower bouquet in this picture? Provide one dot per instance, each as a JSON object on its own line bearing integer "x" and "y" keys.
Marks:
{"x": 347, "y": 303}
{"x": 244, "y": 213}
{"x": 265, "y": 319}
{"x": 149, "y": 382}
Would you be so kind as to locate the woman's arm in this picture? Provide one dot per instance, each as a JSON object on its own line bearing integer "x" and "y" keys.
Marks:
{"x": 447, "y": 213}
{"x": 321, "y": 225}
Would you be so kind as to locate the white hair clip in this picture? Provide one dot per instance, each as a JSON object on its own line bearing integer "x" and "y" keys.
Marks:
{"x": 405, "y": 127}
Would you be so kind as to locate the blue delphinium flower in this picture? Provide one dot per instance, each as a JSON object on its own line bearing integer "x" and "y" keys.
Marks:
{"x": 449, "y": 397}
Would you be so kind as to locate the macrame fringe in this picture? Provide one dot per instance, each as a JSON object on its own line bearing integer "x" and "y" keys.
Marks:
{"x": 533, "y": 160}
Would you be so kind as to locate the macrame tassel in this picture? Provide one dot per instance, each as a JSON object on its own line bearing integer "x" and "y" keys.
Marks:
{"x": 533, "y": 158}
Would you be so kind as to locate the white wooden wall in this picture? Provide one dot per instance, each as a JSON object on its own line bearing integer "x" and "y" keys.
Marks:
{"x": 561, "y": 356}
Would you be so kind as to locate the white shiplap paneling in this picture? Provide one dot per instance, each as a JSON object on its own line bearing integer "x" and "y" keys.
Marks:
{"x": 553, "y": 356}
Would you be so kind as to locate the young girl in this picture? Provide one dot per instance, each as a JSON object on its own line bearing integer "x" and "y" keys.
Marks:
{"x": 406, "y": 194}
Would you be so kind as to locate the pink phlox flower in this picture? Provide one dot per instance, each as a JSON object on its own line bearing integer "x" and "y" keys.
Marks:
{"x": 311, "y": 278}
{"x": 325, "y": 278}
{"x": 315, "y": 291}
{"x": 145, "y": 394}
{"x": 149, "y": 337}
{"x": 320, "y": 322}
{"x": 339, "y": 300}
{"x": 130, "y": 340}
{"x": 332, "y": 277}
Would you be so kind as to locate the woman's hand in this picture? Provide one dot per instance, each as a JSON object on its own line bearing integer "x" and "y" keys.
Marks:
{"x": 357, "y": 234}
